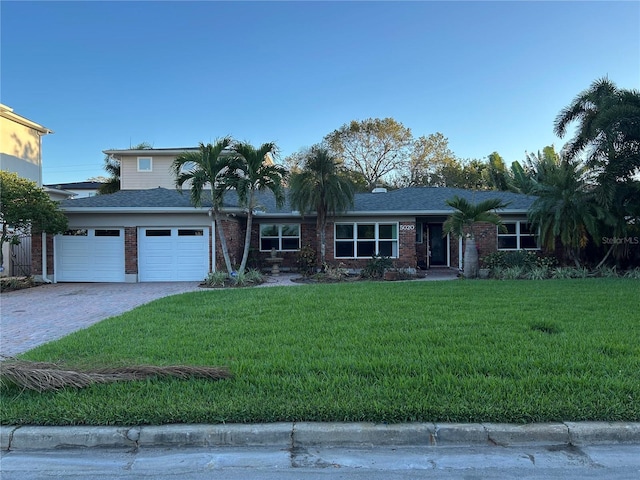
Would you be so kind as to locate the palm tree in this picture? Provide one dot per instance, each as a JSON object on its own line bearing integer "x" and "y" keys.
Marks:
{"x": 321, "y": 186}
{"x": 565, "y": 208}
{"x": 608, "y": 131}
{"x": 461, "y": 222}
{"x": 608, "y": 136}
{"x": 255, "y": 174}
{"x": 208, "y": 167}
{"x": 112, "y": 185}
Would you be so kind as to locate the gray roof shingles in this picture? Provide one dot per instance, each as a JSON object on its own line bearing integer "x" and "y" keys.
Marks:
{"x": 413, "y": 199}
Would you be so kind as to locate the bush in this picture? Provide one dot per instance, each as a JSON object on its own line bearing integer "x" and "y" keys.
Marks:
{"x": 332, "y": 273}
{"x": 376, "y": 266}
{"x": 307, "y": 260}
{"x": 253, "y": 277}
{"x": 570, "y": 272}
{"x": 216, "y": 279}
{"x": 507, "y": 259}
{"x": 513, "y": 273}
{"x": 537, "y": 273}
{"x": 606, "y": 272}
{"x": 221, "y": 279}
{"x": 635, "y": 273}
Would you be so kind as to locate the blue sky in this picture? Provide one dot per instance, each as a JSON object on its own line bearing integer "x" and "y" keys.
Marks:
{"x": 490, "y": 76}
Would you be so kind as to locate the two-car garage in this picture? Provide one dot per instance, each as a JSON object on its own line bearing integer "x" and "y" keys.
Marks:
{"x": 163, "y": 254}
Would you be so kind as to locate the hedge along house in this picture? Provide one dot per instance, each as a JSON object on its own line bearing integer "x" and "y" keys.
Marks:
{"x": 148, "y": 231}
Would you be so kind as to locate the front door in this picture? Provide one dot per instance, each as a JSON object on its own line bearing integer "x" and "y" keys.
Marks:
{"x": 437, "y": 246}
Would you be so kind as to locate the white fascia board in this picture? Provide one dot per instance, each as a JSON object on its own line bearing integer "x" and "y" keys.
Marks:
{"x": 135, "y": 210}
{"x": 183, "y": 210}
{"x": 149, "y": 152}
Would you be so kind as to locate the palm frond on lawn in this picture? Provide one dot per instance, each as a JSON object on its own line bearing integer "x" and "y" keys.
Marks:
{"x": 42, "y": 377}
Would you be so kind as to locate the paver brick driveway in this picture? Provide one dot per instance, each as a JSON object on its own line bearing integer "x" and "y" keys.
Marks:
{"x": 34, "y": 316}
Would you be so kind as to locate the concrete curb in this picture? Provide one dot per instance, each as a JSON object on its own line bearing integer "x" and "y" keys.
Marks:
{"x": 306, "y": 434}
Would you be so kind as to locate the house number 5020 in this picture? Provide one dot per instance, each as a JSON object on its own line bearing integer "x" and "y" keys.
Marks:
{"x": 407, "y": 227}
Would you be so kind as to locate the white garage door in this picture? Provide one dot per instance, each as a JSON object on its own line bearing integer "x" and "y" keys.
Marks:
{"x": 90, "y": 255}
{"x": 173, "y": 254}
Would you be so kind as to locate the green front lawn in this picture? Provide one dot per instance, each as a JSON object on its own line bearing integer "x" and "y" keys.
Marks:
{"x": 465, "y": 351}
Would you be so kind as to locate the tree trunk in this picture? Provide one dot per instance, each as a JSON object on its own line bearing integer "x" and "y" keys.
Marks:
{"x": 247, "y": 241}
{"x": 470, "y": 269}
{"x": 223, "y": 243}
{"x": 605, "y": 257}
{"x": 323, "y": 245}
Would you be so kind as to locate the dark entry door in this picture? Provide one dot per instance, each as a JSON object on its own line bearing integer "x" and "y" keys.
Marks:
{"x": 438, "y": 246}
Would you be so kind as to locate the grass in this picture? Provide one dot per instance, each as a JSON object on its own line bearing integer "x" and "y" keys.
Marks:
{"x": 465, "y": 351}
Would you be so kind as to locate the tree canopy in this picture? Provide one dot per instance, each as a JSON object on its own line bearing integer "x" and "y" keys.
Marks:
{"x": 373, "y": 147}
{"x": 26, "y": 207}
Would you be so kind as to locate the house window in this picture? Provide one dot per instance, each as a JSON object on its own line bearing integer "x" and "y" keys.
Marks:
{"x": 419, "y": 233}
{"x": 282, "y": 237}
{"x": 518, "y": 236}
{"x": 157, "y": 233}
{"x": 363, "y": 240}
{"x": 145, "y": 164}
{"x": 77, "y": 232}
{"x": 107, "y": 233}
{"x": 183, "y": 232}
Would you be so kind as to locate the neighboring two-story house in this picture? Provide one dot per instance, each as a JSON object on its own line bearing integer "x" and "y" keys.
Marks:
{"x": 21, "y": 153}
{"x": 149, "y": 231}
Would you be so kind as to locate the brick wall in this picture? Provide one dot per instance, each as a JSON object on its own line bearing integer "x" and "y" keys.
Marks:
{"x": 290, "y": 259}
{"x": 486, "y": 239}
{"x": 234, "y": 235}
{"x": 407, "y": 257}
{"x": 130, "y": 250}
{"x": 36, "y": 254}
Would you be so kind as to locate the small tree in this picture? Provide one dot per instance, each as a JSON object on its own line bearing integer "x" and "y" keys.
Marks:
{"x": 25, "y": 207}
{"x": 461, "y": 222}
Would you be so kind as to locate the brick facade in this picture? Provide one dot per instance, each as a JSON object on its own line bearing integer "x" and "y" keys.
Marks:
{"x": 36, "y": 254}
{"x": 130, "y": 250}
{"x": 234, "y": 236}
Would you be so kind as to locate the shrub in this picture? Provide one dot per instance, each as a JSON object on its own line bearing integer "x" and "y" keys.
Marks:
{"x": 376, "y": 266}
{"x": 635, "y": 273}
{"x": 537, "y": 273}
{"x": 507, "y": 259}
{"x": 334, "y": 273}
{"x": 254, "y": 276}
{"x": 216, "y": 279}
{"x": 606, "y": 272}
{"x": 307, "y": 260}
{"x": 570, "y": 272}
{"x": 513, "y": 273}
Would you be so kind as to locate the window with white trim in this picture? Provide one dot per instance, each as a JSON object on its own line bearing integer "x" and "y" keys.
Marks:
{"x": 283, "y": 237}
{"x": 145, "y": 164}
{"x": 519, "y": 235}
{"x": 364, "y": 240}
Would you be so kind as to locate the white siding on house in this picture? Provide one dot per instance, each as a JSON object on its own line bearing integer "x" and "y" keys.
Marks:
{"x": 159, "y": 176}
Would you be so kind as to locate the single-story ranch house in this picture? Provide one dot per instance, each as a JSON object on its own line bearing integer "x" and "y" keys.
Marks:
{"x": 148, "y": 231}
